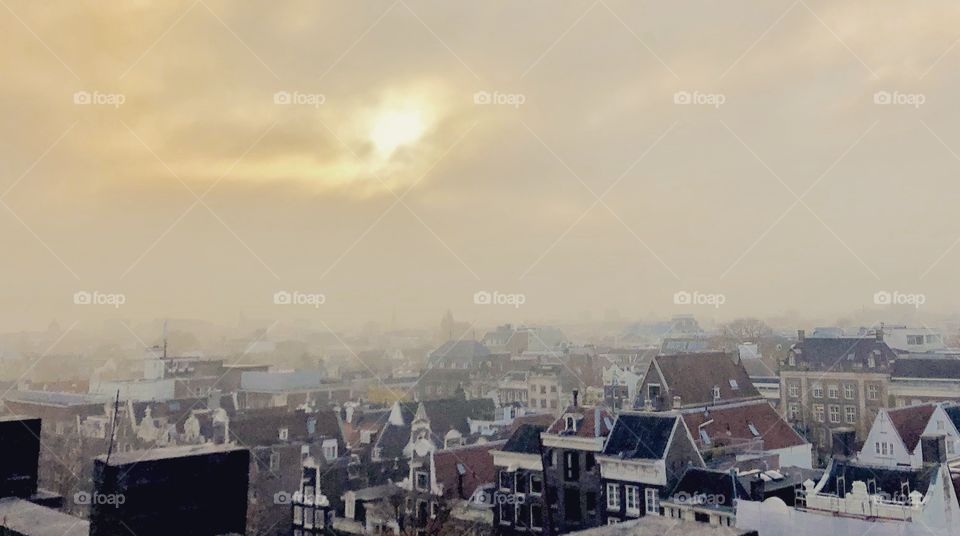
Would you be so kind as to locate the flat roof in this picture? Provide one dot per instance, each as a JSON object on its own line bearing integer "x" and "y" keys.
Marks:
{"x": 27, "y": 518}
{"x": 184, "y": 451}
{"x": 11, "y": 418}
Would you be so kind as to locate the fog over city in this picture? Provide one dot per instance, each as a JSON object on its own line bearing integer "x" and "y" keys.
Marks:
{"x": 491, "y": 268}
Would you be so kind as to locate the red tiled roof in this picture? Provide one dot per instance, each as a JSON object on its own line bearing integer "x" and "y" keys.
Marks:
{"x": 475, "y": 462}
{"x": 586, "y": 427}
{"x": 775, "y": 432}
{"x": 910, "y": 423}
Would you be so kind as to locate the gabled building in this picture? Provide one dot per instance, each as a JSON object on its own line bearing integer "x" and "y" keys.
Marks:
{"x": 571, "y": 473}
{"x": 682, "y": 381}
{"x": 706, "y": 496}
{"x": 894, "y": 437}
{"x": 830, "y": 383}
{"x": 518, "y": 498}
{"x": 642, "y": 459}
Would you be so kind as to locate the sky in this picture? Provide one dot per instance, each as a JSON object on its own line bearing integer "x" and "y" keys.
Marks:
{"x": 557, "y": 159}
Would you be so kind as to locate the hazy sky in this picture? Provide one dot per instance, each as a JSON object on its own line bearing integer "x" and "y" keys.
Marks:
{"x": 814, "y": 165}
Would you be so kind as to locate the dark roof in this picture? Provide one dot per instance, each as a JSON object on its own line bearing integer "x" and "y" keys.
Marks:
{"x": 954, "y": 413}
{"x": 640, "y": 435}
{"x": 450, "y": 413}
{"x": 889, "y": 480}
{"x": 732, "y": 424}
{"x": 910, "y": 423}
{"x": 595, "y": 422}
{"x": 913, "y": 367}
{"x": 392, "y": 440}
{"x": 842, "y": 353}
{"x": 261, "y": 427}
{"x": 724, "y": 488}
{"x": 692, "y": 377}
{"x": 525, "y": 439}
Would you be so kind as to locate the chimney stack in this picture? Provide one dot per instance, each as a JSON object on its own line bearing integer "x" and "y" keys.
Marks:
{"x": 880, "y": 333}
{"x": 576, "y": 393}
{"x": 801, "y": 335}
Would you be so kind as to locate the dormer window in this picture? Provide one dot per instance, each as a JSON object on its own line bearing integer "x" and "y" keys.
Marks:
{"x": 284, "y": 434}
{"x": 716, "y": 393}
{"x": 733, "y": 384}
{"x": 571, "y": 423}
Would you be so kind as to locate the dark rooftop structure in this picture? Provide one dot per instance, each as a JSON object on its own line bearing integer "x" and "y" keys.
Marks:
{"x": 841, "y": 354}
{"x": 177, "y": 490}
{"x": 641, "y": 435}
{"x": 19, "y": 456}
{"x": 526, "y": 439}
{"x": 723, "y": 487}
{"x": 923, "y": 368}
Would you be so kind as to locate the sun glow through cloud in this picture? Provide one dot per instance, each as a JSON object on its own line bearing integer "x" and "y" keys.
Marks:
{"x": 395, "y": 128}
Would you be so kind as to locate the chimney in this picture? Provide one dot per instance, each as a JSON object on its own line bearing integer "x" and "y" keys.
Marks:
{"x": 842, "y": 443}
{"x": 934, "y": 449}
{"x": 576, "y": 393}
{"x": 879, "y": 333}
{"x": 801, "y": 335}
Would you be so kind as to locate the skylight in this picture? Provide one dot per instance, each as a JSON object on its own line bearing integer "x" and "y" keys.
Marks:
{"x": 733, "y": 384}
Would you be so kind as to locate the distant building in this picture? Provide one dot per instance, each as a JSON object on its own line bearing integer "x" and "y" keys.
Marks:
{"x": 177, "y": 490}
{"x": 830, "y": 383}
{"x": 20, "y": 449}
{"x": 918, "y": 380}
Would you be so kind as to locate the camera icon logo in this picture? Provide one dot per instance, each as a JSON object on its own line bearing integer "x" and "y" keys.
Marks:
{"x": 681, "y": 97}
{"x": 282, "y": 297}
{"x": 81, "y": 497}
{"x": 282, "y": 497}
{"x": 882, "y": 297}
{"x": 82, "y": 97}
{"x": 482, "y": 297}
{"x": 682, "y": 297}
{"x": 482, "y": 97}
{"x": 882, "y": 97}
{"x": 82, "y": 297}
{"x": 282, "y": 97}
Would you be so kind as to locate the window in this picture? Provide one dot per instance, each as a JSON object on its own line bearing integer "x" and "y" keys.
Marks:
{"x": 613, "y": 497}
{"x": 506, "y": 513}
{"x": 571, "y": 505}
{"x": 536, "y": 484}
{"x": 794, "y": 389}
{"x": 848, "y": 390}
{"x": 521, "y": 482}
{"x": 818, "y": 412}
{"x": 632, "y": 499}
{"x": 817, "y": 390}
{"x": 652, "y": 501}
{"x": 330, "y": 449}
{"x": 571, "y": 465}
{"x": 873, "y": 392}
{"x": 834, "y": 414}
{"x": 914, "y": 340}
{"x": 553, "y": 404}
{"x": 590, "y": 461}
{"x": 850, "y": 414}
{"x": 274, "y": 461}
{"x": 423, "y": 479}
{"x": 793, "y": 410}
{"x": 571, "y": 423}
{"x": 733, "y": 384}
{"x": 591, "y": 502}
{"x": 536, "y": 516}
{"x": 543, "y": 389}
{"x": 833, "y": 391}
{"x": 716, "y": 393}
{"x": 284, "y": 434}
{"x": 505, "y": 480}
{"x": 653, "y": 391}
{"x": 553, "y": 388}
{"x": 939, "y": 424}
{"x": 753, "y": 429}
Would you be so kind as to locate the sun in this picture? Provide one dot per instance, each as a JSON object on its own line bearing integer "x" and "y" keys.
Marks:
{"x": 395, "y": 128}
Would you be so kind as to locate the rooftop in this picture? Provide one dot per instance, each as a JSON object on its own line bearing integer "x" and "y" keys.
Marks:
{"x": 30, "y": 519}
{"x": 184, "y": 451}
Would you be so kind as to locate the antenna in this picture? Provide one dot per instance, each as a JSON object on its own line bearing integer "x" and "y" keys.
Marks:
{"x": 164, "y": 338}
{"x": 113, "y": 426}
